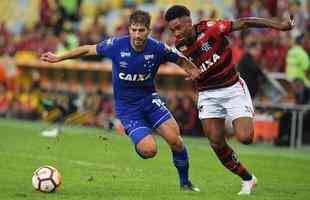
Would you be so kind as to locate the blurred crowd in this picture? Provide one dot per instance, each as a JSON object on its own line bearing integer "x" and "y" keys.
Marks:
{"x": 65, "y": 24}
{"x": 83, "y": 106}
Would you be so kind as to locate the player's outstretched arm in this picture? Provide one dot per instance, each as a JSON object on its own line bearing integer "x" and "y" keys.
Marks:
{"x": 190, "y": 68}
{"x": 255, "y": 22}
{"x": 86, "y": 50}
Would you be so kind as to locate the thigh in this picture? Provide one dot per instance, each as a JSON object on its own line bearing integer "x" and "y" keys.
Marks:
{"x": 136, "y": 127}
{"x": 210, "y": 104}
{"x": 155, "y": 111}
{"x": 239, "y": 103}
{"x": 169, "y": 130}
{"x": 214, "y": 129}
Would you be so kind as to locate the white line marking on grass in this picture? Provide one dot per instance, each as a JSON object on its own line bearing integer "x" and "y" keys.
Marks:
{"x": 58, "y": 159}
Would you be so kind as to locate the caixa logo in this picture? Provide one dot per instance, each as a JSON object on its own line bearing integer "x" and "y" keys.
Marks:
{"x": 209, "y": 63}
{"x": 134, "y": 77}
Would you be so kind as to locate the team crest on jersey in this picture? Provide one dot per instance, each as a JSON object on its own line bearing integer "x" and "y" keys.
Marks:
{"x": 109, "y": 41}
{"x": 206, "y": 46}
{"x": 125, "y": 54}
{"x": 149, "y": 57}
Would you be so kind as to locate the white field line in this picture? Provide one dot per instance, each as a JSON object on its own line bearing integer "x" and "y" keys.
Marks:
{"x": 58, "y": 159}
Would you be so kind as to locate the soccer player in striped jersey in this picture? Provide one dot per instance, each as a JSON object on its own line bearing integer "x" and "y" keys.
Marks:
{"x": 222, "y": 92}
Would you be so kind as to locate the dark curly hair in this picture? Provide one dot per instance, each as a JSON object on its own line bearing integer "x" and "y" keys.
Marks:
{"x": 176, "y": 11}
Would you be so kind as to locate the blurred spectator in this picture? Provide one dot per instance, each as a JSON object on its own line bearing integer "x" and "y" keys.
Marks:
{"x": 295, "y": 8}
{"x": 5, "y": 38}
{"x": 69, "y": 10}
{"x": 274, "y": 51}
{"x": 271, "y": 5}
{"x": 26, "y": 103}
{"x": 5, "y": 101}
{"x": 68, "y": 41}
{"x": 302, "y": 92}
{"x": 2, "y": 74}
{"x": 249, "y": 69}
{"x": 297, "y": 62}
{"x": 122, "y": 28}
{"x": 48, "y": 13}
{"x": 159, "y": 25}
{"x": 187, "y": 116}
{"x": 243, "y": 8}
{"x": 105, "y": 112}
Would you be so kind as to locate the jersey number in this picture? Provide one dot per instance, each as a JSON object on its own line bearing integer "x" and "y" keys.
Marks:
{"x": 158, "y": 102}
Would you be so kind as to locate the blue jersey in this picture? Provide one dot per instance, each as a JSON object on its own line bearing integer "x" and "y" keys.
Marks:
{"x": 133, "y": 72}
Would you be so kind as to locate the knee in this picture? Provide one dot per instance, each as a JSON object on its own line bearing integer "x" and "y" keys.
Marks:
{"x": 177, "y": 144}
{"x": 244, "y": 130}
{"x": 217, "y": 142}
{"x": 147, "y": 153}
{"x": 246, "y": 141}
{"x": 217, "y": 146}
{"x": 245, "y": 137}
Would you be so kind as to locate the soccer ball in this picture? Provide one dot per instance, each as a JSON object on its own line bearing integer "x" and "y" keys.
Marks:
{"x": 46, "y": 179}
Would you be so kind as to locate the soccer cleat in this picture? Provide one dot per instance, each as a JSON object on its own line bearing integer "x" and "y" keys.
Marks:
{"x": 247, "y": 186}
{"x": 189, "y": 187}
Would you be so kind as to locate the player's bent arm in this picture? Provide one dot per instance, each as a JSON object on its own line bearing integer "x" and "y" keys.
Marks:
{"x": 255, "y": 22}
{"x": 189, "y": 67}
{"x": 86, "y": 50}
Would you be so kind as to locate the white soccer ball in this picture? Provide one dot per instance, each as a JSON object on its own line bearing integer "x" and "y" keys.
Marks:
{"x": 46, "y": 179}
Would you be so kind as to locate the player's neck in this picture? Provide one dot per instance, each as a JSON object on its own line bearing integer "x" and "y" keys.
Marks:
{"x": 192, "y": 38}
{"x": 138, "y": 48}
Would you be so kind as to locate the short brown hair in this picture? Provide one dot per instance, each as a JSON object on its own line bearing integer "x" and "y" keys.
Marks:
{"x": 140, "y": 17}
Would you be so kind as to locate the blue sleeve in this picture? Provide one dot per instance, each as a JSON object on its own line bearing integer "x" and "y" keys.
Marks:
{"x": 169, "y": 54}
{"x": 106, "y": 48}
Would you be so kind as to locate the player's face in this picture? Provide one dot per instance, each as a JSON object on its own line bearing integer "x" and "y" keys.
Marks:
{"x": 138, "y": 34}
{"x": 181, "y": 28}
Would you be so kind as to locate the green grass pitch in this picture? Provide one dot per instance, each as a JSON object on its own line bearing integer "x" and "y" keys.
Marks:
{"x": 98, "y": 164}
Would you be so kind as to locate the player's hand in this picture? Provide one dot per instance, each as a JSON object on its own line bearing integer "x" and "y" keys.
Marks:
{"x": 193, "y": 74}
{"x": 288, "y": 23}
{"x": 50, "y": 57}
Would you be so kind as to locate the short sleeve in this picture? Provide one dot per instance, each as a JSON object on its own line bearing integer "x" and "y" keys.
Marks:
{"x": 105, "y": 48}
{"x": 169, "y": 54}
{"x": 224, "y": 26}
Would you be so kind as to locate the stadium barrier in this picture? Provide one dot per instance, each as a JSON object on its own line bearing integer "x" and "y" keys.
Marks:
{"x": 297, "y": 119}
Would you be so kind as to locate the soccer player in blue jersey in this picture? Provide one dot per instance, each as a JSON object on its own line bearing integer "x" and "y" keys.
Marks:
{"x": 136, "y": 59}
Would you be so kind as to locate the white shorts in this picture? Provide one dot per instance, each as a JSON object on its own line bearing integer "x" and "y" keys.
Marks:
{"x": 230, "y": 102}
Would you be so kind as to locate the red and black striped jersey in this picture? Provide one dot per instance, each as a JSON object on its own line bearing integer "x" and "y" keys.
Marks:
{"x": 210, "y": 51}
